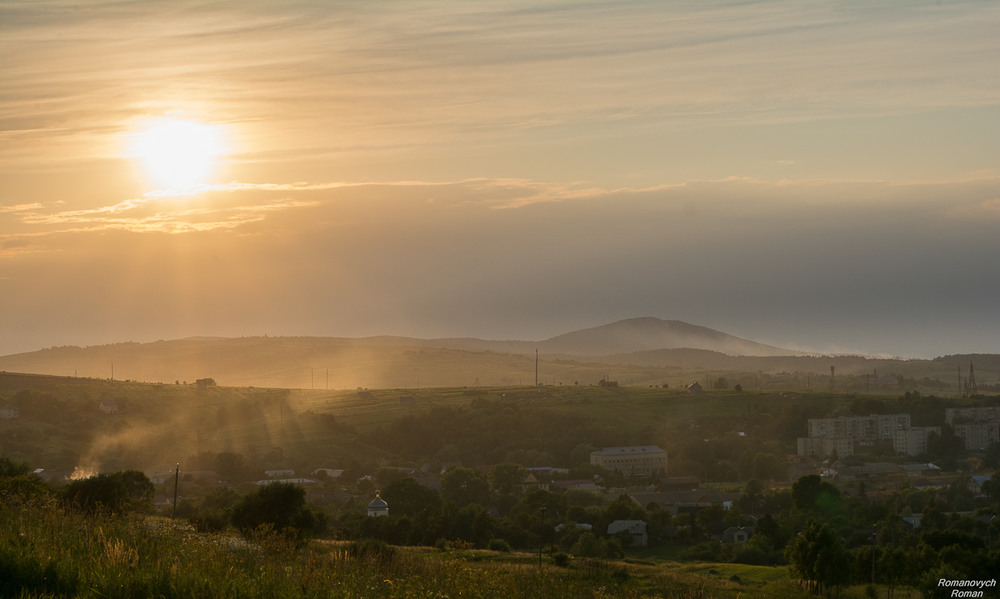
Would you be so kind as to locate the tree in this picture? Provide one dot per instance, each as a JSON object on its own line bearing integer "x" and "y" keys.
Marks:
{"x": 818, "y": 558}
{"x": 811, "y": 493}
{"x": 230, "y": 466}
{"x": 463, "y": 486}
{"x": 507, "y": 478}
{"x": 10, "y": 468}
{"x": 281, "y": 505}
{"x": 17, "y": 480}
{"x": 125, "y": 491}
{"x": 408, "y": 498}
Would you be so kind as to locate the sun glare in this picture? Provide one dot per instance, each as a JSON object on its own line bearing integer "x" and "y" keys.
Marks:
{"x": 178, "y": 154}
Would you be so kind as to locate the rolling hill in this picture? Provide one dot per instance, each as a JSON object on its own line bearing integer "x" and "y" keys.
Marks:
{"x": 638, "y": 351}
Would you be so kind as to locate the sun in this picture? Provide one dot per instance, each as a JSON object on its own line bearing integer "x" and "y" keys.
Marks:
{"x": 178, "y": 154}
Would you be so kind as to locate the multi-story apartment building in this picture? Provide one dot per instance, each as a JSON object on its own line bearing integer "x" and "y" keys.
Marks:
{"x": 862, "y": 429}
{"x": 637, "y": 460}
{"x": 965, "y": 415}
{"x": 913, "y": 441}
{"x": 978, "y": 435}
{"x": 826, "y": 446}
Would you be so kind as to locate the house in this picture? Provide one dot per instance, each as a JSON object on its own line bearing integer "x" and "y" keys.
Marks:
{"x": 694, "y": 388}
{"x": 633, "y": 531}
{"x": 109, "y": 406}
{"x": 976, "y": 482}
{"x": 329, "y": 472}
{"x": 279, "y": 473}
{"x": 378, "y": 507}
{"x": 579, "y": 484}
{"x": 920, "y": 470}
{"x": 294, "y": 481}
{"x": 737, "y": 535}
{"x": 685, "y": 502}
{"x": 10, "y": 412}
{"x": 204, "y": 383}
{"x": 531, "y": 482}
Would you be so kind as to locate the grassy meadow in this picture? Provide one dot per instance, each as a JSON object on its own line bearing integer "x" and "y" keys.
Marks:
{"x": 47, "y": 551}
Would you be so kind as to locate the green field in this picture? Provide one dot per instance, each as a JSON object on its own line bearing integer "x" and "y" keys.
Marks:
{"x": 46, "y": 551}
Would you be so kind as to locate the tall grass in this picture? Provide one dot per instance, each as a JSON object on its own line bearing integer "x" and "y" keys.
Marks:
{"x": 48, "y": 551}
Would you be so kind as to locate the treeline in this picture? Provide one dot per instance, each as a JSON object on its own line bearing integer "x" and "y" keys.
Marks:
{"x": 824, "y": 534}
{"x": 828, "y": 537}
{"x": 491, "y": 432}
{"x": 280, "y": 507}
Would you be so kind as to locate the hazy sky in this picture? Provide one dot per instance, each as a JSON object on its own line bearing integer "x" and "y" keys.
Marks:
{"x": 819, "y": 175}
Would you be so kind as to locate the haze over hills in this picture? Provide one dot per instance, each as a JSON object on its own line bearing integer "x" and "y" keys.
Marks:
{"x": 639, "y": 350}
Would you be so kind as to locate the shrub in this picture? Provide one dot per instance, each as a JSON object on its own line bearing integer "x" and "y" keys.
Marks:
{"x": 128, "y": 491}
{"x": 372, "y": 549}
{"x": 499, "y": 545}
{"x": 22, "y": 575}
{"x": 280, "y": 505}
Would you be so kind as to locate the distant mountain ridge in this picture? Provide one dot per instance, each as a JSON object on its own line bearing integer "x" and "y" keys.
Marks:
{"x": 383, "y": 361}
{"x": 621, "y": 337}
{"x": 648, "y": 333}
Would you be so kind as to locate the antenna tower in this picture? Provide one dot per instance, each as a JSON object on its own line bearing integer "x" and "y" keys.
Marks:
{"x": 970, "y": 385}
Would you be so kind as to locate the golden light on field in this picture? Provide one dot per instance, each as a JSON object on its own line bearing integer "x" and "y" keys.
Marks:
{"x": 178, "y": 153}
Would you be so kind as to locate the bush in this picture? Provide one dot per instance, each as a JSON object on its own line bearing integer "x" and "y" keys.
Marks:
{"x": 23, "y": 575}
{"x": 372, "y": 550}
{"x": 281, "y": 506}
{"x": 499, "y": 545}
{"x": 128, "y": 491}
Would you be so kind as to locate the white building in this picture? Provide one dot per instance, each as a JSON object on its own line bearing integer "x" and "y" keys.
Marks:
{"x": 826, "y": 446}
{"x": 378, "y": 507}
{"x": 636, "y": 460}
{"x": 913, "y": 441}
{"x": 978, "y": 436}
{"x": 863, "y": 429}
{"x": 965, "y": 415}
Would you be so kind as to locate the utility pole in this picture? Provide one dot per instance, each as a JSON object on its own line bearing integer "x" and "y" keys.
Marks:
{"x": 541, "y": 539}
{"x": 873, "y": 554}
{"x": 177, "y": 476}
{"x": 536, "y": 378}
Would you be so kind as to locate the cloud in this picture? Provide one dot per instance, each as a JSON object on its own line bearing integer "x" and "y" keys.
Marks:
{"x": 480, "y": 166}
{"x": 311, "y": 81}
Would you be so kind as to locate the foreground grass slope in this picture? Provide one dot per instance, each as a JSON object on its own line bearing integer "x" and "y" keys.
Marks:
{"x": 47, "y": 551}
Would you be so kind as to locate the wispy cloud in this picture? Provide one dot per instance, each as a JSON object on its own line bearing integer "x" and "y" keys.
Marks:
{"x": 342, "y": 78}
{"x": 19, "y": 207}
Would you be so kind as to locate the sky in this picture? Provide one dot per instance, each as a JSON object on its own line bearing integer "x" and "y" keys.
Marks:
{"x": 818, "y": 175}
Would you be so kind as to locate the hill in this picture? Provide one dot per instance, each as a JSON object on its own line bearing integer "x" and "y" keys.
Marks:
{"x": 636, "y": 352}
{"x": 643, "y": 334}
{"x": 379, "y": 362}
